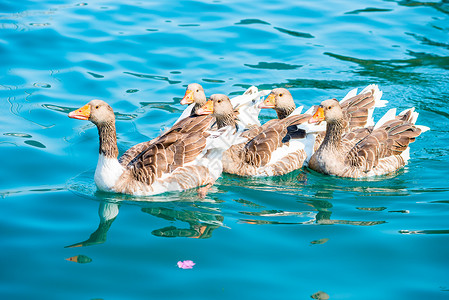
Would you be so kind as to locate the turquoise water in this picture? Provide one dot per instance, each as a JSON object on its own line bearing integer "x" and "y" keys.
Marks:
{"x": 279, "y": 238}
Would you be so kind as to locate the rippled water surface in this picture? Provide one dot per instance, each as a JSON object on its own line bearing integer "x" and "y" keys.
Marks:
{"x": 288, "y": 237}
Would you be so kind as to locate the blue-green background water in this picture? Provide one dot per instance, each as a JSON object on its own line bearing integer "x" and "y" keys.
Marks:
{"x": 277, "y": 238}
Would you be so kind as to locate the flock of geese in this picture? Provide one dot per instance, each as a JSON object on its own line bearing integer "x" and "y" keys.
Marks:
{"x": 219, "y": 134}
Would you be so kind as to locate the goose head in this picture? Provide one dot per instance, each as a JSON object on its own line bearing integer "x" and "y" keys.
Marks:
{"x": 194, "y": 94}
{"x": 96, "y": 111}
{"x": 329, "y": 111}
{"x": 281, "y": 101}
{"x": 220, "y": 106}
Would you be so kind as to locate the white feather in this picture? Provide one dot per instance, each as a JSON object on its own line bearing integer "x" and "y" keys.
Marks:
{"x": 312, "y": 128}
{"x": 406, "y": 155}
{"x": 351, "y": 94}
{"x": 377, "y": 102}
{"x": 309, "y": 144}
{"x": 390, "y": 115}
{"x": 297, "y": 111}
{"x": 186, "y": 112}
{"x": 108, "y": 211}
{"x": 423, "y": 128}
{"x": 223, "y": 138}
{"x": 283, "y": 151}
{"x": 414, "y": 116}
{"x": 248, "y": 106}
{"x": 107, "y": 172}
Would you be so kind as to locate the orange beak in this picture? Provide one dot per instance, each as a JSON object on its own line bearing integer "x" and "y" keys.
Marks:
{"x": 206, "y": 109}
{"x": 82, "y": 113}
{"x": 73, "y": 258}
{"x": 269, "y": 102}
{"x": 188, "y": 98}
{"x": 318, "y": 116}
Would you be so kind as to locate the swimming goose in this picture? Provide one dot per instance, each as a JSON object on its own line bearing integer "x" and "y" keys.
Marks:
{"x": 281, "y": 100}
{"x": 246, "y": 104}
{"x": 179, "y": 159}
{"x": 363, "y": 152}
{"x": 266, "y": 150}
{"x": 279, "y": 147}
{"x": 194, "y": 95}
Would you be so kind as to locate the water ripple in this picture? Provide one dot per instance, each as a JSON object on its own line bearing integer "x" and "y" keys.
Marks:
{"x": 295, "y": 33}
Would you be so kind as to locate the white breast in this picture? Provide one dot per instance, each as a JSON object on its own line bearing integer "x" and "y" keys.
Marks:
{"x": 107, "y": 172}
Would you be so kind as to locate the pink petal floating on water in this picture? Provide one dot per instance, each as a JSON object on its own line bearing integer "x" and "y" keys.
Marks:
{"x": 187, "y": 264}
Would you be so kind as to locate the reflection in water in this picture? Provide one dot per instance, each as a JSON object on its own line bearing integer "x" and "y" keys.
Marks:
{"x": 6, "y": 193}
{"x": 295, "y": 33}
{"x": 273, "y": 66}
{"x": 319, "y": 213}
{"x": 42, "y": 85}
{"x": 319, "y": 242}
{"x": 107, "y": 212}
{"x": 368, "y": 9}
{"x": 314, "y": 194}
{"x": 16, "y": 134}
{"x": 251, "y": 21}
{"x": 424, "y": 231}
{"x": 303, "y": 83}
{"x": 320, "y": 296}
{"x": 426, "y": 41}
{"x": 166, "y": 106}
{"x": 81, "y": 259}
{"x": 95, "y": 75}
{"x": 154, "y": 77}
{"x": 440, "y": 6}
{"x": 212, "y": 80}
{"x": 201, "y": 224}
{"x": 372, "y": 208}
{"x": 202, "y": 220}
{"x": 63, "y": 109}
{"x": 313, "y": 185}
{"x": 35, "y": 144}
{"x": 396, "y": 70}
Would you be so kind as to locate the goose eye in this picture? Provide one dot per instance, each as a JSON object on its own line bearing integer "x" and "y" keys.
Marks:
{"x": 96, "y": 107}
{"x": 219, "y": 101}
{"x": 280, "y": 95}
{"x": 329, "y": 107}
{"x": 197, "y": 91}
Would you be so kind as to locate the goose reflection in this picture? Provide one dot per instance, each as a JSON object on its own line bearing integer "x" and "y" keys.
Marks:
{"x": 314, "y": 196}
{"x": 108, "y": 213}
{"x": 319, "y": 212}
{"x": 201, "y": 223}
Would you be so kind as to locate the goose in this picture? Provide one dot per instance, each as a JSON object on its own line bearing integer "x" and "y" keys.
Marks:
{"x": 287, "y": 143}
{"x": 358, "y": 107}
{"x": 266, "y": 150}
{"x": 363, "y": 152}
{"x": 246, "y": 104}
{"x": 194, "y": 97}
{"x": 281, "y": 100}
{"x": 179, "y": 159}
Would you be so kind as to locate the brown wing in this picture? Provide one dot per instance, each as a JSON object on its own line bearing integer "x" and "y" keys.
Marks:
{"x": 257, "y": 152}
{"x": 189, "y": 124}
{"x": 192, "y": 124}
{"x": 165, "y": 155}
{"x": 356, "y": 108}
{"x": 178, "y": 146}
{"x": 390, "y": 139}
